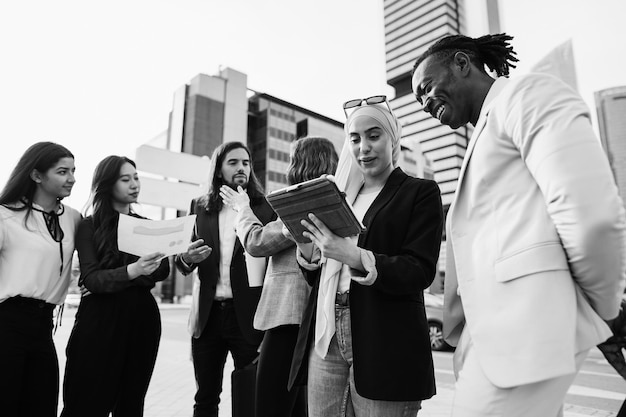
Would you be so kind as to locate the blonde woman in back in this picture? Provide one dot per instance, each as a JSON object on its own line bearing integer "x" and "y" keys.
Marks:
{"x": 285, "y": 292}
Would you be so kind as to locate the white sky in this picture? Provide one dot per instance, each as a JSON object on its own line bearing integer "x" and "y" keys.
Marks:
{"x": 99, "y": 77}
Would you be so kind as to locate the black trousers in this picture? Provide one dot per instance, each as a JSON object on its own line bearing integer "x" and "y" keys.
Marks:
{"x": 220, "y": 336}
{"x": 111, "y": 354}
{"x": 29, "y": 367}
{"x": 273, "y": 399}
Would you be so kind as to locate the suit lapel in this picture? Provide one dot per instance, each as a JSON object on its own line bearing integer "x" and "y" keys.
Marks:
{"x": 238, "y": 247}
{"x": 490, "y": 99}
{"x": 396, "y": 178}
{"x": 480, "y": 125}
{"x": 214, "y": 233}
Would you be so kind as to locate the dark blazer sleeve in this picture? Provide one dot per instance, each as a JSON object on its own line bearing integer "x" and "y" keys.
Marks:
{"x": 161, "y": 273}
{"x": 98, "y": 280}
{"x": 413, "y": 264}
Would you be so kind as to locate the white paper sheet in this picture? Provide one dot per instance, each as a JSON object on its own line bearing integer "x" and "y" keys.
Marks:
{"x": 141, "y": 237}
{"x": 256, "y": 267}
{"x": 256, "y": 270}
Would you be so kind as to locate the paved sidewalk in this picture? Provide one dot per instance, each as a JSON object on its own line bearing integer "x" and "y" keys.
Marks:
{"x": 172, "y": 388}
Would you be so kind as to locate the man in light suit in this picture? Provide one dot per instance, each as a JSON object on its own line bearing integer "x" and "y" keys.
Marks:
{"x": 535, "y": 235}
{"x": 224, "y": 304}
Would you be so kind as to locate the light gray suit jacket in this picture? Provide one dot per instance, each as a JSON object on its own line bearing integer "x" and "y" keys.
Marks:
{"x": 535, "y": 235}
{"x": 285, "y": 291}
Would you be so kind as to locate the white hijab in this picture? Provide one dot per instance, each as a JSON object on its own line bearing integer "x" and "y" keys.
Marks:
{"x": 349, "y": 179}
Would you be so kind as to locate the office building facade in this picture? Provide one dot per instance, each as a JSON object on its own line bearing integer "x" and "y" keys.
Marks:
{"x": 273, "y": 124}
{"x": 207, "y": 112}
{"x": 211, "y": 110}
{"x": 410, "y": 27}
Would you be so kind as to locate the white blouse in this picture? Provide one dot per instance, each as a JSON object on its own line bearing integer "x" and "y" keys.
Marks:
{"x": 361, "y": 205}
{"x": 30, "y": 259}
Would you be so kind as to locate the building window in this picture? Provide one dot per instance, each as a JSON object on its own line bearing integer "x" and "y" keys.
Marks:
{"x": 277, "y": 177}
{"x": 302, "y": 128}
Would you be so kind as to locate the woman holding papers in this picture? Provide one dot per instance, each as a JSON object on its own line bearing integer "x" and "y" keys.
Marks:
{"x": 285, "y": 292}
{"x": 364, "y": 337}
{"x": 36, "y": 246}
{"x": 113, "y": 346}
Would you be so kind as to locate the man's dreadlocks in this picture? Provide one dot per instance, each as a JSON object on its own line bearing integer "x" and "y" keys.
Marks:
{"x": 494, "y": 51}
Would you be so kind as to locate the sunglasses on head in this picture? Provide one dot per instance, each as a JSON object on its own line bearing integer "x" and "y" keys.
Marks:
{"x": 357, "y": 102}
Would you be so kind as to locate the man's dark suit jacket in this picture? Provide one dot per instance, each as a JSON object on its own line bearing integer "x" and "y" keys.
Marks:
{"x": 245, "y": 298}
{"x": 392, "y": 359}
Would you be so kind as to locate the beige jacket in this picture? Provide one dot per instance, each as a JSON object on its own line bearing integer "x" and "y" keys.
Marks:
{"x": 285, "y": 292}
{"x": 535, "y": 235}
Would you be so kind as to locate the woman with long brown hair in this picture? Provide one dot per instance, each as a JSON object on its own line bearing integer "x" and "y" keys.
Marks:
{"x": 36, "y": 246}
{"x": 285, "y": 292}
{"x": 113, "y": 346}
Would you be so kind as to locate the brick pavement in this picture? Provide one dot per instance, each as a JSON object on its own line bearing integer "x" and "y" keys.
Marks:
{"x": 172, "y": 388}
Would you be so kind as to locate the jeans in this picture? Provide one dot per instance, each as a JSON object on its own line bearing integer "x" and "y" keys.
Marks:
{"x": 331, "y": 391}
{"x": 221, "y": 335}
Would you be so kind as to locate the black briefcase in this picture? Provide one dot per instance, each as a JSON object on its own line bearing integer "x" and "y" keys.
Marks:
{"x": 243, "y": 385}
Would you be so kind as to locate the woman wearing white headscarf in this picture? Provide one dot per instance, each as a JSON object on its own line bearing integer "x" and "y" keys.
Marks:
{"x": 364, "y": 337}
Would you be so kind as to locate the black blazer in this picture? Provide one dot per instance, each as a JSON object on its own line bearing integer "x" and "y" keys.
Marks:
{"x": 245, "y": 298}
{"x": 390, "y": 338}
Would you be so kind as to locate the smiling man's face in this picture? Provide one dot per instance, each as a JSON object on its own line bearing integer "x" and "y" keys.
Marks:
{"x": 438, "y": 88}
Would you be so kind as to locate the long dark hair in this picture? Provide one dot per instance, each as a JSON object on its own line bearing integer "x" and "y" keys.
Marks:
{"x": 311, "y": 157}
{"x": 212, "y": 201}
{"x": 20, "y": 188}
{"x": 494, "y": 51}
{"x": 105, "y": 217}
